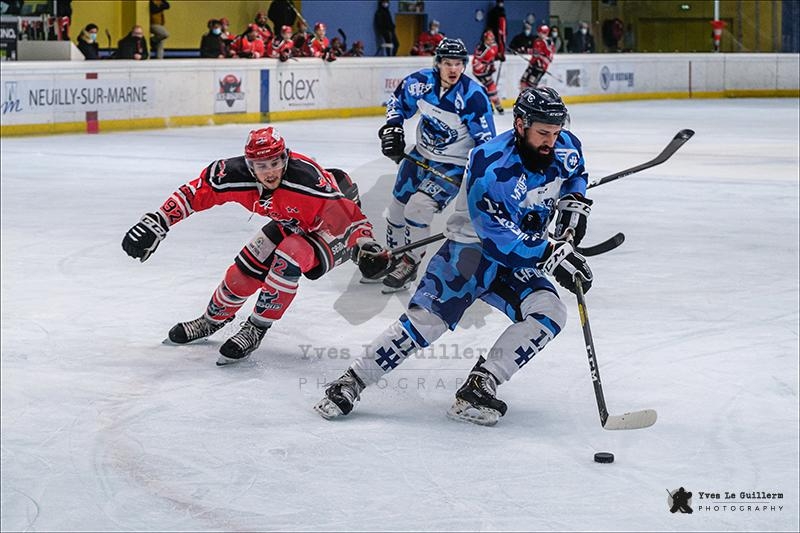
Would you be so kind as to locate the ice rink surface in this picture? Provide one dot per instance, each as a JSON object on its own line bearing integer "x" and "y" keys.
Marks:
{"x": 695, "y": 315}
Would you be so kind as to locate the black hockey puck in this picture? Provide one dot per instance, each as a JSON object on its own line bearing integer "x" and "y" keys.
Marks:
{"x": 604, "y": 457}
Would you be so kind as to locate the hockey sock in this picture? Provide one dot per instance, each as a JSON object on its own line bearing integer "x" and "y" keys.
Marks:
{"x": 231, "y": 294}
{"x": 279, "y": 289}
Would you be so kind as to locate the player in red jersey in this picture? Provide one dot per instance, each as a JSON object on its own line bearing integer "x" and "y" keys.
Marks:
{"x": 319, "y": 45}
{"x": 483, "y": 67}
{"x": 316, "y": 224}
{"x": 543, "y": 51}
{"x": 282, "y": 46}
{"x": 428, "y": 40}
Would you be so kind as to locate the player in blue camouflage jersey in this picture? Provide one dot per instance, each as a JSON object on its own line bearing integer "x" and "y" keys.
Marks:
{"x": 455, "y": 116}
{"x": 497, "y": 250}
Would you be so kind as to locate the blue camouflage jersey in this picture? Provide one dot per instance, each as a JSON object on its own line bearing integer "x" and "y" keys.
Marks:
{"x": 451, "y": 124}
{"x": 506, "y": 207}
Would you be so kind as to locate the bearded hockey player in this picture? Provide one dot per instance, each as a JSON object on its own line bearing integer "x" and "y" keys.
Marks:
{"x": 316, "y": 224}
{"x": 498, "y": 251}
{"x": 455, "y": 116}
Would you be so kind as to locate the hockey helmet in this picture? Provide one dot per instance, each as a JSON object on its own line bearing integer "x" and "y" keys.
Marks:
{"x": 264, "y": 143}
{"x": 540, "y": 104}
{"x": 286, "y": 29}
{"x": 544, "y": 28}
{"x": 451, "y": 49}
{"x": 319, "y": 26}
{"x": 488, "y": 36}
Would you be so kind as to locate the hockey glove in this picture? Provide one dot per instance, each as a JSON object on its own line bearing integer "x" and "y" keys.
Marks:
{"x": 372, "y": 260}
{"x": 142, "y": 239}
{"x": 573, "y": 211}
{"x": 563, "y": 263}
{"x": 393, "y": 143}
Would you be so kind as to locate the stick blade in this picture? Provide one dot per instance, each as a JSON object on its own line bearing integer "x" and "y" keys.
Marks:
{"x": 635, "y": 420}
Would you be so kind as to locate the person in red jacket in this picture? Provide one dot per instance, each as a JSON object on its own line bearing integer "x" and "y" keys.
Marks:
{"x": 428, "y": 40}
{"x": 249, "y": 44}
{"x": 320, "y": 45}
{"x": 543, "y": 51}
{"x": 282, "y": 46}
{"x": 483, "y": 67}
{"x": 316, "y": 224}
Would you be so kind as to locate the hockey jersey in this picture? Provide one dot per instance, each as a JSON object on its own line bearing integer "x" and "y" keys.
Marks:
{"x": 451, "y": 123}
{"x": 506, "y": 207}
{"x": 308, "y": 200}
{"x": 483, "y": 60}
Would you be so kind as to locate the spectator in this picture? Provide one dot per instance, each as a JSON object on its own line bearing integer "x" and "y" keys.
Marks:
{"x": 282, "y": 47}
{"x": 581, "y": 42}
{"x": 384, "y": 26}
{"x": 496, "y": 21}
{"x": 522, "y": 43}
{"x": 212, "y": 45}
{"x": 357, "y": 50}
{"x": 226, "y": 34}
{"x": 301, "y": 38}
{"x": 428, "y": 40}
{"x": 263, "y": 27}
{"x": 87, "y": 42}
{"x": 337, "y": 47}
{"x": 612, "y": 31}
{"x": 281, "y": 13}
{"x": 157, "y": 28}
{"x": 249, "y": 44}
{"x": 320, "y": 45}
{"x": 133, "y": 45}
{"x": 556, "y": 40}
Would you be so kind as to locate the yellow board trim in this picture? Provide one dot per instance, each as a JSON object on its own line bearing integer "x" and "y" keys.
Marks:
{"x": 305, "y": 114}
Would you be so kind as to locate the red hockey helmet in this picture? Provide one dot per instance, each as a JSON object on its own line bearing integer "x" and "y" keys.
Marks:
{"x": 544, "y": 28}
{"x": 319, "y": 26}
{"x": 488, "y": 36}
{"x": 285, "y": 29}
{"x": 265, "y": 143}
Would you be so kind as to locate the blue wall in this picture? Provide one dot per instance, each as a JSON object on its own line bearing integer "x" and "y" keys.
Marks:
{"x": 791, "y": 27}
{"x": 457, "y": 17}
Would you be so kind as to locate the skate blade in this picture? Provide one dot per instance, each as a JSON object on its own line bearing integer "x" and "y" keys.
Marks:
{"x": 392, "y": 290}
{"x": 371, "y": 281}
{"x": 225, "y": 361}
{"x": 465, "y": 412}
{"x": 327, "y": 409}
{"x": 168, "y": 342}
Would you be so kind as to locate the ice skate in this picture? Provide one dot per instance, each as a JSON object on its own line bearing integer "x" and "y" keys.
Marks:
{"x": 399, "y": 279}
{"x": 475, "y": 400}
{"x": 340, "y": 396}
{"x": 194, "y": 330}
{"x": 500, "y": 110}
{"x": 242, "y": 344}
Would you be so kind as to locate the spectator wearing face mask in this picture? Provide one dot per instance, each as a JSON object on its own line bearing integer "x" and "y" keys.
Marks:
{"x": 428, "y": 40}
{"x": 212, "y": 45}
{"x": 581, "y": 42}
{"x": 133, "y": 45}
{"x": 87, "y": 42}
{"x": 556, "y": 40}
{"x": 522, "y": 43}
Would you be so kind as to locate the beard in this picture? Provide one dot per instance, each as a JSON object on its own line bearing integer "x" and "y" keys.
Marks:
{"x": 532, "y": 158}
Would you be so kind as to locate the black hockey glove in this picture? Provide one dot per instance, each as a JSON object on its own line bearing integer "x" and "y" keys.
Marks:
{"x": 573, "y": 211}
{"x": 563, "y": 263}
{"x": 142, "y": 239}
{"x": 393, "y": 143}
{"x": 372, "y": 259}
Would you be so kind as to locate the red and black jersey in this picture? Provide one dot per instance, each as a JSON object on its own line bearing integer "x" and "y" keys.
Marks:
{"x": 483, "y": 60}
{"x": 543, "y": 51}
{"x": 307, "y": 201}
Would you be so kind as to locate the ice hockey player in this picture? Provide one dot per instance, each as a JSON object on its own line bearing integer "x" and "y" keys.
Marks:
{"x": 455, "y": 116}
{"x": 483, "y": 67}
{"x": 316, "y": 224}
{"x": 497, "y": 250}
{"x": 320, "y": 45}
{"x": 543, "y": 51}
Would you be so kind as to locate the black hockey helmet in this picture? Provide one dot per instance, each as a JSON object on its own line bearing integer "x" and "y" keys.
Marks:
{"x": 540, "y": 104}
{"x": 451, "y": 49}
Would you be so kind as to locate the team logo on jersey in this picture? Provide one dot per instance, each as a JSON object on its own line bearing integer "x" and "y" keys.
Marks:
{"x": 459, "y": 102}
{"x": 569, "y": 156}
{"x": 418, "y": 89}
{"x": 436, "y": 134}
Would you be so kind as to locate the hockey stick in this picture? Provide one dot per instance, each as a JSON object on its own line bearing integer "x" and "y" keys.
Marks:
{"x": 679, "y": 140}
{"x": 559, "y": 79}
{"x": 596, "y": 249}
{"x": 432, "y": 170}
{"x": 633, "y": 420}
{"x": 344, "y": 37}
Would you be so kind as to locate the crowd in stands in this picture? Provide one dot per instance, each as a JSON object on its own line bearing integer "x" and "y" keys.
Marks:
{"x": 289, "y": 36}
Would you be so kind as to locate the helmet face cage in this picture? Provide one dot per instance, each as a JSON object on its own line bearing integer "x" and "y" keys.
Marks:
{"x": 451, "y": 49}
{"x": 541, "y": 104}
